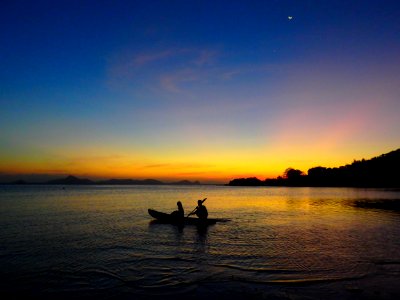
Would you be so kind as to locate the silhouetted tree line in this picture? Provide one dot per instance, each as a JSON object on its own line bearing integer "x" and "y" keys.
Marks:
{"x": 381, "y": 171}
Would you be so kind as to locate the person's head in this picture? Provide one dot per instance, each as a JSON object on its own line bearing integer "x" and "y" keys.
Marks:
{"x": 199, "y": 202}
{"x": 179, "y": 203}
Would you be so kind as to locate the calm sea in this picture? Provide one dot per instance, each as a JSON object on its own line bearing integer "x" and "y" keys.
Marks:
{"x": 281, "y": 243}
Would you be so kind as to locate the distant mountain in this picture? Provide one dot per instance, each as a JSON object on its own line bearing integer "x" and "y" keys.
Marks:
{"x": 144, "y": 182}
{"x": 185, "y": 182}
{"x": 130, "y": 182}
{"x": 70, "y": 180}
{"x": 20, "y": 181}
{"x": 381, "y": 171}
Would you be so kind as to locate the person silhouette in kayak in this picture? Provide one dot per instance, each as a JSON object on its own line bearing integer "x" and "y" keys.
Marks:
{"x": 201, "y": 210}
{"x": 180, "y": 213}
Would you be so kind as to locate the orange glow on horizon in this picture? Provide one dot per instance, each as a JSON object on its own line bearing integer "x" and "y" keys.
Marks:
{"x": 205, "y": 169}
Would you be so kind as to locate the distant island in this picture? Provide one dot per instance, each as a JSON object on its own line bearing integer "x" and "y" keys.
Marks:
{"x": 381, "y": 171}
{"x": 72, "y": 180}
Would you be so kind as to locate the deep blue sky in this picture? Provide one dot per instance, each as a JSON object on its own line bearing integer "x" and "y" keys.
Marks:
{"x": 199, "y": 89}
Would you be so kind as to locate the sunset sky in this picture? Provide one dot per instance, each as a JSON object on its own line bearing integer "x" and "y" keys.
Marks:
{"x": 198, "y": 90}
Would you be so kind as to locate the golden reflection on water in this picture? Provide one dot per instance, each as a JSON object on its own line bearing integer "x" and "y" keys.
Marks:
{"x": 276, "y": 235}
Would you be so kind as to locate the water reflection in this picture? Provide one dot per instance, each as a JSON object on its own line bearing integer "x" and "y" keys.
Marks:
{"x": 278, "y": 236}
{"x": 201, "y": 232}
{"x": 201, "y": 241}
{"x": 378, "y": 204}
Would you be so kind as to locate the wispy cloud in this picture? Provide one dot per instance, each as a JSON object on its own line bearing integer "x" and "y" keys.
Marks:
{"x": 205, "y": 57}
{"x": 183, "y": 70}
{"x": 146, "y": 58}
{"x": 178, "y": 166}
{"x": 172, "y": 82}
{"x": 228, "y": 75}
{"x": 156, "y": 166}
{"x": 143, "y": 59}
{"x": 198, "y": 57}
{"x": 96, "y": 158}
{"x": 168, "y": 67}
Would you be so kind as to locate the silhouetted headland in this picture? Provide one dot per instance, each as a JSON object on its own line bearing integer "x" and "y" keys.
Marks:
{"x": 73, "y": 180}
{"x": 70, "y": 180}
{"x": 381, "y": 171}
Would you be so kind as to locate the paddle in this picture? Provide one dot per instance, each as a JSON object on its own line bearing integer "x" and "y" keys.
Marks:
{"x": 202, "y": 201}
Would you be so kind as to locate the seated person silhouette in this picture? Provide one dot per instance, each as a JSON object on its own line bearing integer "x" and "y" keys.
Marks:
{"x": 180, "y": 213}
{"x": 201, "y": 210}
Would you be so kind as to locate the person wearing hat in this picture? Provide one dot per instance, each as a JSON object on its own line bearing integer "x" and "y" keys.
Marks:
{"x": 201, "y": 210}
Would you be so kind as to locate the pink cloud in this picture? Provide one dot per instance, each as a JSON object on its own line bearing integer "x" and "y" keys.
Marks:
{"x": 171, "y": 82}
{"x": 205, "y": 57}
{"x": 142, "y": 59}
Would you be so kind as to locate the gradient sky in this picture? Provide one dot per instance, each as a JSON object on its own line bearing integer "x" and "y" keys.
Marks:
{"x": 199, "y": 90}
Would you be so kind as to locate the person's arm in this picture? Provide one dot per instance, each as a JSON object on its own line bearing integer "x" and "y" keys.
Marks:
{"x": 195, "y": 212}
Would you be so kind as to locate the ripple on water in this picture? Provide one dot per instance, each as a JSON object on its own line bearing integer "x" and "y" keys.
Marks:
{"x": 98, "y": 242}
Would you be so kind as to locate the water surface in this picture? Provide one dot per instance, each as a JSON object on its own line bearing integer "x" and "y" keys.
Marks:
{"x": 98, "y": 241}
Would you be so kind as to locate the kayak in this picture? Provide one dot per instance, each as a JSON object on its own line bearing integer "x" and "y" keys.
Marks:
{"x": 168, "y": 219}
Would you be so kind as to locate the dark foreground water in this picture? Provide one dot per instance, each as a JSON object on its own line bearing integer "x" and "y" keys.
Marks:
{"x": 281, "y": 243}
